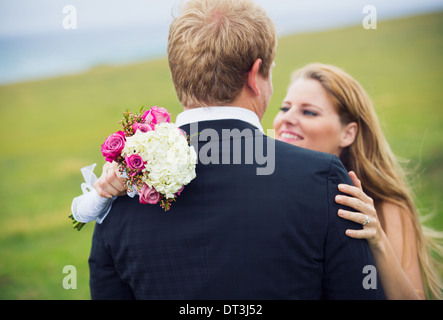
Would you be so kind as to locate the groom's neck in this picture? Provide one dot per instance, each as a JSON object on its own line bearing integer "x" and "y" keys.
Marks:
{"x": 250, "y": 102}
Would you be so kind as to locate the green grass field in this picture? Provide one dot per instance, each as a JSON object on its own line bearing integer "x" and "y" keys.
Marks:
{"x": 52, "y": 128}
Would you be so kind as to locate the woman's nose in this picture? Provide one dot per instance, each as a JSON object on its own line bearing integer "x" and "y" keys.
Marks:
{"x": 291, "y": 117}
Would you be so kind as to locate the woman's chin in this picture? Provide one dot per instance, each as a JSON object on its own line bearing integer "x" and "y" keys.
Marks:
{"x": 294, "y": 142}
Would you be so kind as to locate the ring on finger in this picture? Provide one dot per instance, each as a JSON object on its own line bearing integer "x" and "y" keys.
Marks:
{"x": 367, "y": 220}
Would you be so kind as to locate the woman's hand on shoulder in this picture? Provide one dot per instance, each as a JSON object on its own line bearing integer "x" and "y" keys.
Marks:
{"x": 366, "y": 214}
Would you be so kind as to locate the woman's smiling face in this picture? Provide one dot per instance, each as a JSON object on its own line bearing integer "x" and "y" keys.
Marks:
{"x": 308, "y": 119}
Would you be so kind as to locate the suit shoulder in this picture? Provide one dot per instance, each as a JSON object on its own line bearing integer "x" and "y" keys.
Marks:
{"x": 294, "y": 154}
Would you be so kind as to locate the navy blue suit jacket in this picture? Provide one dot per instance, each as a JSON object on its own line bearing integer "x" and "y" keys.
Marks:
{"x": 234, "y": 234}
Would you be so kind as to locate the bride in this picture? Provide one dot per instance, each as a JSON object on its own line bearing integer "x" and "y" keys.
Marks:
{"x": 327, "y": 110}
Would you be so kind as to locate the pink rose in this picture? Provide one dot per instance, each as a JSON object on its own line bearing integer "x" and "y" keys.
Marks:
{"x": 157, "y": 115}
{"x": 147, "y": 117}
{"x": 113, "y": 146}
{"x": 135, "y": 162}
{"x": 149, "y": 195}
{"x": 143, "y": 127}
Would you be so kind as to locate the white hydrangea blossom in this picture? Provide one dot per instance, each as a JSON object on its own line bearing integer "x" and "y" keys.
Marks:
{"x": 170, "y": 160}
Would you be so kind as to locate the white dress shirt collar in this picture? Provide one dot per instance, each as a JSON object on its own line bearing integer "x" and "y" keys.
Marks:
{"x": 218, "y": 113}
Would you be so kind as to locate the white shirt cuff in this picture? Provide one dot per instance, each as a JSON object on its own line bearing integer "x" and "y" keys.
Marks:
{"x": 90, "y": 206}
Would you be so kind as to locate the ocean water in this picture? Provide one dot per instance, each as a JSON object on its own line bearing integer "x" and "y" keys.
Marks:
{"x": 37, "y": 52}
{"x": 29, "y": 57}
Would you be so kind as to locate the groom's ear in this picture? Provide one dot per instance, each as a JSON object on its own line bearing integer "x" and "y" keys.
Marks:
{"x": 252, "y": 79}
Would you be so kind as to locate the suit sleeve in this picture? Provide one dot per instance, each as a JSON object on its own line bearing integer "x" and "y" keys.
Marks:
{"x": 346, "y": 260}
{"x": 105, "y": 283}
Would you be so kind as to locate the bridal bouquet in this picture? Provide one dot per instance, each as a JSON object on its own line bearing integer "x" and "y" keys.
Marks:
{"x": 154, "y": 156}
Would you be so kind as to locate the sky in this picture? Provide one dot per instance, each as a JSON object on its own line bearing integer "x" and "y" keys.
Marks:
{"x": 27, "y": 17}
{"x": 35, "y": 43}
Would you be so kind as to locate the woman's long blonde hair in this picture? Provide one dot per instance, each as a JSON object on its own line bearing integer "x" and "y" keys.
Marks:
{"x": 371, "y": 158}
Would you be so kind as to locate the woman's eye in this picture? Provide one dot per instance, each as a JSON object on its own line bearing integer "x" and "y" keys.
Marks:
{"x": 309, "y": 113}
{"x": 284, "y": 109}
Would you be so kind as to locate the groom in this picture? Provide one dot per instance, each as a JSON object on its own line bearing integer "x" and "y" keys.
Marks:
{"x": 236, "y": 232}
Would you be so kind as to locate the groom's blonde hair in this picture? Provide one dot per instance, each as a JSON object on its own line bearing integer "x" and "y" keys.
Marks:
{"x": 213, "y": 45}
